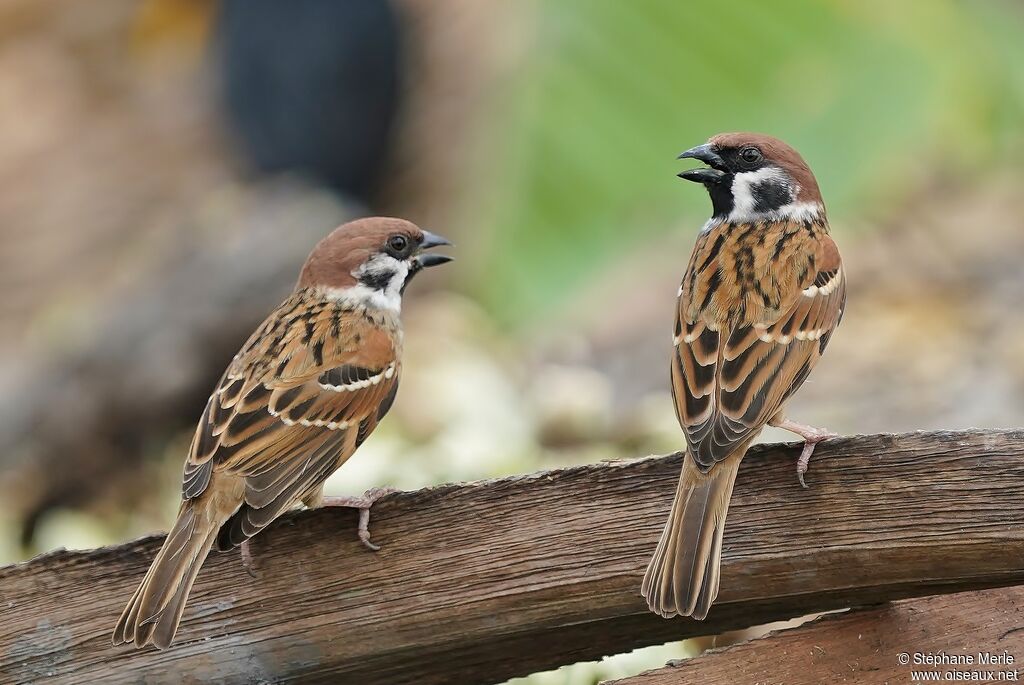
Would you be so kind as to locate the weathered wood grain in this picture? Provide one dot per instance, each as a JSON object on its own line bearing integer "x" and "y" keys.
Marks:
{"x": 477, "y": 583}
{"x": 865, "y": 646}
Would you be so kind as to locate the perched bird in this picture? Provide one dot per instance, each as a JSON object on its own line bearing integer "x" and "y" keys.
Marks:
{"x": 303, "y": 393}
{"x": 759, "y": 301}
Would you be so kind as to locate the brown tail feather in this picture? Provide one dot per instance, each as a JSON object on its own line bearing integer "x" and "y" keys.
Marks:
{"x": 153, "y": 613}
{"x": 682, "y": 578}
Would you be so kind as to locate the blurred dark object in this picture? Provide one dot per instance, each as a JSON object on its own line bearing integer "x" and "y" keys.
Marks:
{"x": 138, "y": 371}
{"x": 311, "y": 86}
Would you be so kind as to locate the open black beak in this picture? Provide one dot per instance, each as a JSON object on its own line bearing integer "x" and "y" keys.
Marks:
{"x": 704, "y": 153}
{"x": 432, "y": 240}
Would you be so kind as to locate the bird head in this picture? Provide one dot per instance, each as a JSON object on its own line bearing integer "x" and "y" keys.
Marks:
{"x": 370, "y": 261}
{"x": 753, "y": 177}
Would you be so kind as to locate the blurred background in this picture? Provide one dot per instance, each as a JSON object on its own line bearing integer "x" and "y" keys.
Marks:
{"x": 166, "y": 165}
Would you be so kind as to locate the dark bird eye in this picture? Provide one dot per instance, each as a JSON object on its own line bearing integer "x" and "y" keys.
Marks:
{"x": 398, "y": 243}
{"x": 750, "y": 154}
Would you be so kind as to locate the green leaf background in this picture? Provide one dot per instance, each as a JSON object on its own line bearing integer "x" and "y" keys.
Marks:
{"x": 578, "y": 157}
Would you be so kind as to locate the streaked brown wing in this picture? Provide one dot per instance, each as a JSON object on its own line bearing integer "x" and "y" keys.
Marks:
{"x": 303, "y": 393}
{"x": 729, "y": 378}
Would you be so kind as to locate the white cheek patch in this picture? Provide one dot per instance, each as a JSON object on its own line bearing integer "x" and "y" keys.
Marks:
{"x": 745, "y": 203}
{"x": 388, "y": 297}
{"x": 743, "y": 200}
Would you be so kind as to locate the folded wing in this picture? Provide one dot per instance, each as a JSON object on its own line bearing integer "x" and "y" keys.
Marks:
{"x": 731, "y": 375}
{"x": 296, "y": 402}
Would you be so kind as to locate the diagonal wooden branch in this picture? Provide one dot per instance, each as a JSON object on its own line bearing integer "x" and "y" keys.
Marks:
{"x": 481, "y": 582}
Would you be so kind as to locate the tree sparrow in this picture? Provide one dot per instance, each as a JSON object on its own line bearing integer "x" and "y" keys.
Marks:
{"x": 304, "y": 392}
{"x": 761, "y": 297}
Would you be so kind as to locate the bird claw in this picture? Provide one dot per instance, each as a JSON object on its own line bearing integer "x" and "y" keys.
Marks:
{"x": 248, "y": 563}
{"x": 812, "y": 436}
{"x": 804, "y": 461}
{"x": 363, "y": 504}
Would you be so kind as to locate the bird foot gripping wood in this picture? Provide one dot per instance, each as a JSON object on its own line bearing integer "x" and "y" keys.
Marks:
{"x": 248, "y": 563}
{"x": 811, "y": 435}
{"x": 363, "y": 504}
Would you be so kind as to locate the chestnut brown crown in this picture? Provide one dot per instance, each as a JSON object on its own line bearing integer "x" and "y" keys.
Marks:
{"x": 379, "y": 253}
{"x": 753, "y": 175}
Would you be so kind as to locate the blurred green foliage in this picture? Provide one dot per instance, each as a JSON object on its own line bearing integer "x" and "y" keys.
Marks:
{"x": 878, "y": 95}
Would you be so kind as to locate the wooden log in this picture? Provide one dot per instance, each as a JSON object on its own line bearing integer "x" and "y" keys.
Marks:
{"x": 481, "y": 582}
{"x": 883, "y": 644}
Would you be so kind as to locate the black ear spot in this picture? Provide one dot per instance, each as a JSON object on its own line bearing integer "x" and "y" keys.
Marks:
{"x": 769, "y": 195}
{"x": 376, "y": 280}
